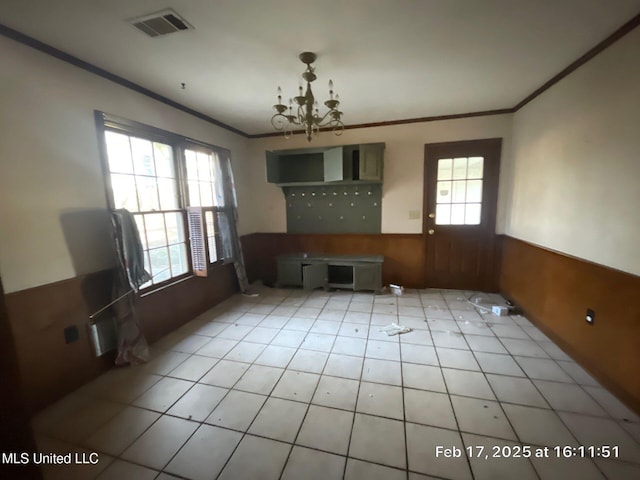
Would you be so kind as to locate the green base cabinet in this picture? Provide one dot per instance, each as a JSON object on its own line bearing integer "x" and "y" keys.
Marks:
{"x": 352, "y": 272}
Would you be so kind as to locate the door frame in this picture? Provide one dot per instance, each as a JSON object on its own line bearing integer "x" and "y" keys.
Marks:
{"x": 490, "y": 281}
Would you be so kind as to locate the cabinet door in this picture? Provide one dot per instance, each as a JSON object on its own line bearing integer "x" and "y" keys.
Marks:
{"x": 371, "y": 163}
{"x": 367, "y": 276}
{"x": 289, "y": 272}
{"x": 333, "y": 169}
{"x": 315, "y": 276}
{"x": 273, "y": 167}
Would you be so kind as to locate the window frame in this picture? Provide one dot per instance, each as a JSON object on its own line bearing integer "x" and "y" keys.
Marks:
{"x": 106, "y": 122}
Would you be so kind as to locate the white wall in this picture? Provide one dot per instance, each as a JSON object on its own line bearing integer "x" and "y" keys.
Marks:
{"x": 403, "y": 167}
{"x": 50, "y": 165}
{"x": 575, "y": 184}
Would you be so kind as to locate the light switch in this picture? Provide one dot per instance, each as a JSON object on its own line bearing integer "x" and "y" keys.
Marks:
{"x": 414, "y": 214}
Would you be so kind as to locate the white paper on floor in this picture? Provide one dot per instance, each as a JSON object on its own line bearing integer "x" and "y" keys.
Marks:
{"x": 394, "y": 329}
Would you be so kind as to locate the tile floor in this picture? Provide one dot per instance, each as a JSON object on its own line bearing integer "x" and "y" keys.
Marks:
{"x": 303, "y": 385}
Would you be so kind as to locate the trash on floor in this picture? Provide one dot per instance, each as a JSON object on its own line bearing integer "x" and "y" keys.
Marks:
{"x": 394, "y": 329}
{"x": 396, "y": 289}
{"x": 499, "y": 310}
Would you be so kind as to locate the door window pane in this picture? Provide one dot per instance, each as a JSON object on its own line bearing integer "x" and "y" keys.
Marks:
{"x": 445, "y": 166}
{"x": 472, "y": 214}
{"x": 443, "y": 214}
{"x": 459, "y": 168}
{"x": 475, "y": 167}
{"x": 444, "y": 192}
{"x": 457, "y": 214}
{"x": 474, "y": 191}
{"x": 459, "y": 202}
{"x": 459, "y": 188}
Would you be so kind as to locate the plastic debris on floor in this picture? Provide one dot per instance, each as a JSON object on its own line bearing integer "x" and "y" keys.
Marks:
{"x": 394, "y": 329}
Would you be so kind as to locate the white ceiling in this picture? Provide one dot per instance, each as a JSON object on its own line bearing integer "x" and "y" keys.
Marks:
{"x": 389, "y": 59}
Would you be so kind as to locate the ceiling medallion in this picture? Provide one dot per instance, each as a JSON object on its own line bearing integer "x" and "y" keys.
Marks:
{"x": 307, "y": 114}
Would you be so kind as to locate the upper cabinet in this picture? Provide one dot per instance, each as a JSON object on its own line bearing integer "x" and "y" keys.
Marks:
{"x": 346, "y": 164}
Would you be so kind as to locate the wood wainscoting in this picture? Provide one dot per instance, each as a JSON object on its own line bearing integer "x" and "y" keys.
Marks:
{"x": 403, "y": 253}
{"x": 51, "y": 368}
{"x": 554, "y": 291}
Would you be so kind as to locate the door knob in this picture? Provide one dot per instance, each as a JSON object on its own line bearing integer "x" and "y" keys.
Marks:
{"x": 431, "y": 231}
{"x": 432, "y": 215}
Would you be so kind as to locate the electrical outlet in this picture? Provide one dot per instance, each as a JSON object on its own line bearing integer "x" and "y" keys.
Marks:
{"x": 71, "y": 334}
{"x": 590, "y": 317}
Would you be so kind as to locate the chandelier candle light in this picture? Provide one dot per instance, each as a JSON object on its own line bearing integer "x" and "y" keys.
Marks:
{"x": 307, "y": 115}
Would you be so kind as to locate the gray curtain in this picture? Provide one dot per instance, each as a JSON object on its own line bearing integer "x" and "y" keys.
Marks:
{"x": 228, "y": 221}
{"x": 132, "y": 346}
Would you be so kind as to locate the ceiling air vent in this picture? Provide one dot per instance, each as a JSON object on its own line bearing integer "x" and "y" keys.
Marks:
{"x": 160, "y": 23}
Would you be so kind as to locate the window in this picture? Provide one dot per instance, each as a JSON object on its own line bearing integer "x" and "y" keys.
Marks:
{"x": 157, "y": 176}
{"x": 459, "y": 191}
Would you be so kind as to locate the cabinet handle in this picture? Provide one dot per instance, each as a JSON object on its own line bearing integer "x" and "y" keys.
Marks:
{"x": 431, "y": 231}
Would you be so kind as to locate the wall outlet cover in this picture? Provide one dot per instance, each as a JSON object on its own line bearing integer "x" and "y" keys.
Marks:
{"x": 71, "y": 334}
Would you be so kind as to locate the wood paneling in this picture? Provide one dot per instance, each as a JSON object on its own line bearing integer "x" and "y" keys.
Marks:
{"x": 403, "y": 253}
{"x": 15, "y": 432}
{"x": 555, "y": 290}
{"x": 51, "y": 368}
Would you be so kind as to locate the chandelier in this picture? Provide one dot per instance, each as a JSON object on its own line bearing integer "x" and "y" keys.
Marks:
{"x": 307, "y": 114}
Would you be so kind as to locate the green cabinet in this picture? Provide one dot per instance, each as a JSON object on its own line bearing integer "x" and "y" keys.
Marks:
{"x": 352, "y": 272}
{"x": 348, "y": 164}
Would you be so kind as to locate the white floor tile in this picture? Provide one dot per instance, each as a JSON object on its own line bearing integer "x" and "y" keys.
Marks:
{"x": 259, "y": 379}
{"x": 160, "y": 442}
{"x": 501, "y": 364}
{"x": 516, "y": 390}
{"x": 193, "y": 368}
{"x": 379, "y": 440}
{"x": 482, "y": 417}
{"x": 538, "y": 426}
{"x": 568, "y": 398}
{"x": 602, "y": 431}
{"x": 198, "y": 402}
{"x": 429, "y": 408}
{"x": 345, "y": 366}
{"x": 163, "y": 394}
{"x": 359, "y": 470}
{"x": 381, "y": 400}
{"x": 256, "y": 458}
{"x": 279, "y": 420}
{"x": 421, "y": 450}
{"x": 467, "y": 383}
{"x": 336, "y": 393}
{"x": 237, "y": 410}
{"x": 298, "y": 386}
{"x": 313, "y": 465}
{"x": 381, "y": 371}
{"x": 308, "y": 361}
{"x": 205, "y": 454}
{"x": 121, "y": 431}
{"x": 453, "y": 358}
{"x": 326, "y": 429}
{"x": 424, "y": 377}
